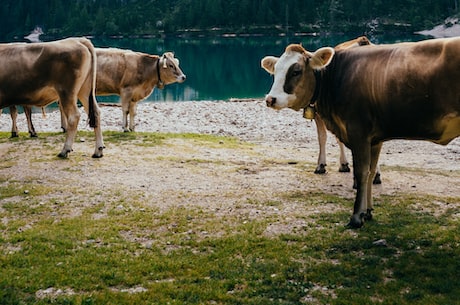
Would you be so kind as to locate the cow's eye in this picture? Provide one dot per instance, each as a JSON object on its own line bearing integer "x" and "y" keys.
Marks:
{"x": 296, "y": 72}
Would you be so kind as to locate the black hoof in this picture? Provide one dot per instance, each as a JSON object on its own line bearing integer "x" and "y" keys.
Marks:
{"x": 63, "y": 155}
{"x": 344, "y": 168}
{"x": 34, "y": 135}
{"x": 321, "y": 169}
{"x": 99, "y": 154}
{"x": 368, "y": 216}
{"x": 14, "y": 135}
{"x": 377, "y": 179}
{"x": 356, "y": 223}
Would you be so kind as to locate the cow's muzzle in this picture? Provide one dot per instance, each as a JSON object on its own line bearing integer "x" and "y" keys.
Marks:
{"x": 181, "y": 78}
{"x": 271, "y": 101}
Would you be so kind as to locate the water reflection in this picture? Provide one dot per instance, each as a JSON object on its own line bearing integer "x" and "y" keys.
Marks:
{"x": 224, "y": 67}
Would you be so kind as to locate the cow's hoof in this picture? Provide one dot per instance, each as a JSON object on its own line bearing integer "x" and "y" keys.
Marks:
{"x": 377, "y": 179}
{"x": 356, "y": 221}
{"x": 34, "y": 135}
{"x": 64, "y": 130}
{"x": 14, "y": 135}
{"x": 344, "y": 168}
{"x": 63, "y": 155}
{"x": 321, "y": 169}
{"x": 368, "y": 216}
{"x": 98, "y": 153}
{"x": 355, "y": 185}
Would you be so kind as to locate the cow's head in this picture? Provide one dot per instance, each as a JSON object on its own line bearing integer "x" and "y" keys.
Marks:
{"x": 294, "y": 75}
{"x": 170, "y": 71}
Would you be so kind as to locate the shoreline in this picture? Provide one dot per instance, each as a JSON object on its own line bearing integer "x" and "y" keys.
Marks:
{"x": 250, "y": 121}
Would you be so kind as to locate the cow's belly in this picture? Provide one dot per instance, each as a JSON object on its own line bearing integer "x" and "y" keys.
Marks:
{"x": 41, "y": 97}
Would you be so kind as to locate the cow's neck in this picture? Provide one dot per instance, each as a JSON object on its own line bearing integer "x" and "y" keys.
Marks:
{"x": 160, "y": 83}
{"x": 315, "y": 95}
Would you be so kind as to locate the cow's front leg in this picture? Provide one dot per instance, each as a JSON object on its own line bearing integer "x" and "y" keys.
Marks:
{"x": 132, "y": 114}
{"x": 361, "y": 171}
{"x": 125, "y": 107}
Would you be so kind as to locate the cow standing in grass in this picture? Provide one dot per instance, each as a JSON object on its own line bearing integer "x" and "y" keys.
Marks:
{"x": 372, "y": 94}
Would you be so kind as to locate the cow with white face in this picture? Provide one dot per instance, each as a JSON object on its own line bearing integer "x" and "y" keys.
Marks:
{"x": 372, "y": 94}
{"x": 310, "y": 113}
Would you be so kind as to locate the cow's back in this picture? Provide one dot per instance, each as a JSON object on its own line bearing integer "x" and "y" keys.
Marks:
{"x": 32, "y": 74}
{"x": 406, "y": 90}
{"x": 118, "y": 69}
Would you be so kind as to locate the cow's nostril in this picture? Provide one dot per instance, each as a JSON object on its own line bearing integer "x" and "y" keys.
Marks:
{"x": 271, "y": 101}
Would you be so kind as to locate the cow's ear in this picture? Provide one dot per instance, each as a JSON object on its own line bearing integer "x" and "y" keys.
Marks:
{"x": 321, "y": 58}
{"x": 268, "y": 63}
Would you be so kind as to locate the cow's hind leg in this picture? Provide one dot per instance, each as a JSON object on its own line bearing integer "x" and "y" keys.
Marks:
{"x": 322, "y": 138}
{"x": 132, "y": 114}
{"x": 30, "y": 125}
{"x": 14, "y": 117}
{"x": 344, "y": 167}
{"x": 377, "y": 178}
{"x": 70, "y": 110}
{"x": 98, "y": 133}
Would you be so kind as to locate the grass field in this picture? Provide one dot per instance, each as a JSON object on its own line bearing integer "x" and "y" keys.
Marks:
{"x": 56, "y": 248}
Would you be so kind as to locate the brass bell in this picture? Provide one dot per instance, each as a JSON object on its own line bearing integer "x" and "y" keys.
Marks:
{"x": 309, "y": 112}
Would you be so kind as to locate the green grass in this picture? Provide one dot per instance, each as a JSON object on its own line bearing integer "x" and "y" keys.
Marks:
{"x": 190, "y": 256}
{"x": 125, "y": 250}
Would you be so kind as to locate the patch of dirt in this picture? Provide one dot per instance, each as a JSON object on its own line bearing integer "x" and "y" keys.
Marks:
{"x": 222, "y": 180}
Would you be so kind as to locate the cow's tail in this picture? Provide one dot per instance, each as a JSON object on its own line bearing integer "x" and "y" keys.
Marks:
{"x": 92, "y": 102}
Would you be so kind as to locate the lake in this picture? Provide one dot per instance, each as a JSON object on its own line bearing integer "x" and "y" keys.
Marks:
{"x": 220, "y": 68}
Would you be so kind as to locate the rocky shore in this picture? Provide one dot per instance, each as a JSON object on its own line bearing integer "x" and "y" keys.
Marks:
{"x": 248, "y": 120}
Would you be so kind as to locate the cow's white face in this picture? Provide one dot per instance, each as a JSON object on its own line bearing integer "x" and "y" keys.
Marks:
{"x": 170, "y": 71}
{"x": 294, "y": 80}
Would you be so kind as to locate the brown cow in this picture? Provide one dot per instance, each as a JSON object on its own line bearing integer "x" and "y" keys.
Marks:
{"x": 372, "y": 94}
{"x": 310, "y": 113}
{"x": 41, "y": 73}
{"x": 131, "y": 75}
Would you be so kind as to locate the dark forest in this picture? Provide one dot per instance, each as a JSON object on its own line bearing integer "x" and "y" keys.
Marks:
{"x": 60, "y": 18}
